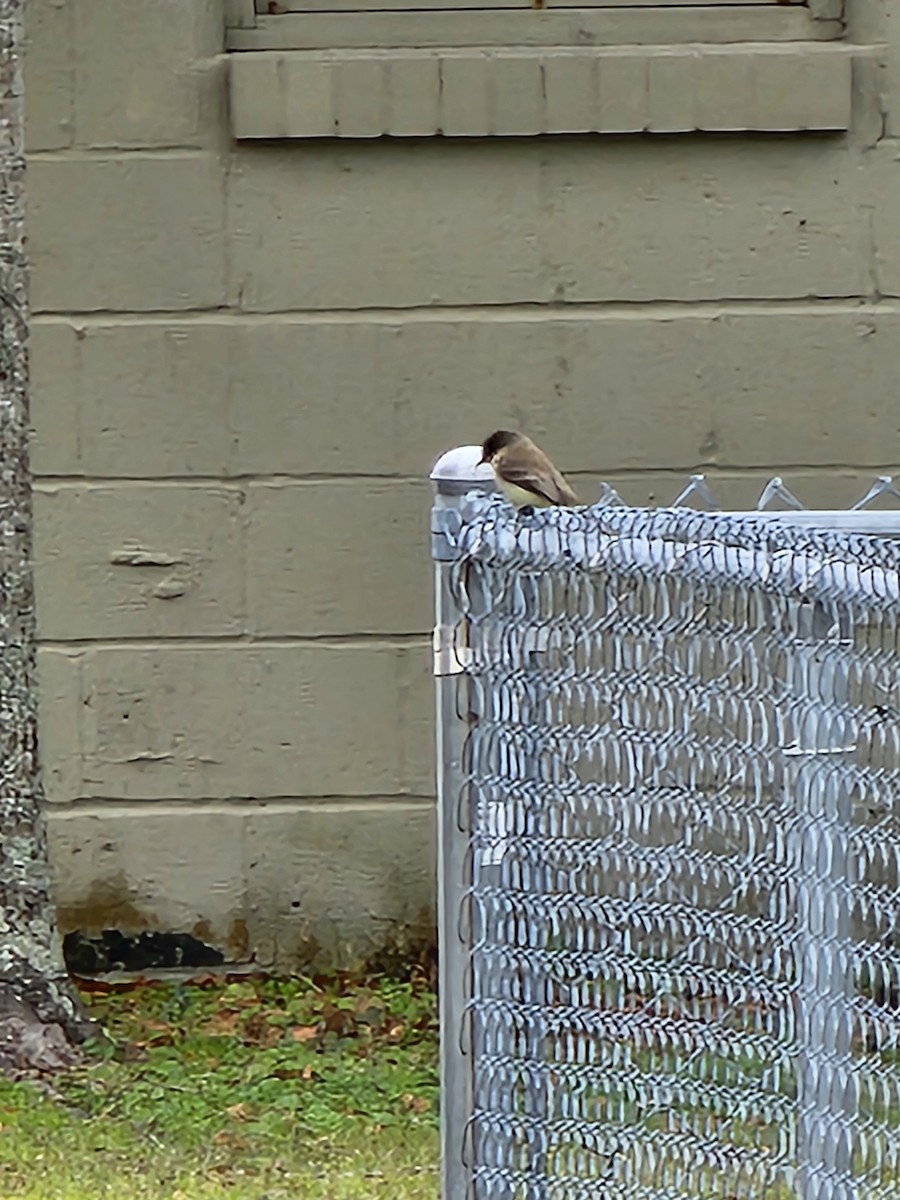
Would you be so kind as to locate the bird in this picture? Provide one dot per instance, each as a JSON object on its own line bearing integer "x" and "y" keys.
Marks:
{"x": 524, "y": 473}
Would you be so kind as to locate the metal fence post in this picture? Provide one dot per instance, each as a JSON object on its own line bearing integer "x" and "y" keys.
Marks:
{"x": 818, "y": 850}
{"x": 455, "y": 474}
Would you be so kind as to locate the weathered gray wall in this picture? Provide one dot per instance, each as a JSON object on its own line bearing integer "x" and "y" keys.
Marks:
{"x": 245, "y": 360}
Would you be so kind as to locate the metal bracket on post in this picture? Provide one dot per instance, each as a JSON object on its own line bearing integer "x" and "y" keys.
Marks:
{"x": 455, "y": 475}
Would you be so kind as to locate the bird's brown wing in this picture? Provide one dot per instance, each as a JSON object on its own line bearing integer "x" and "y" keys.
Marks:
{"x": 544, "y": 481}
{"x": 566, "y": 496}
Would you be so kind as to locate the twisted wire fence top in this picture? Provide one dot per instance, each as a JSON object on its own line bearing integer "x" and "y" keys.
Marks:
{"x": 680, "y": 794}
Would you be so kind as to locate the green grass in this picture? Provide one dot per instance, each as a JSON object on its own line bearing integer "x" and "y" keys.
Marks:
{"x": 319, "y": 1089}
{"x": 258, "y": 1089}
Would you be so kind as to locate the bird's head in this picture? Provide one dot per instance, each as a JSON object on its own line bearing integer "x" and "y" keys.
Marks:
{"x": 497, "y": 442}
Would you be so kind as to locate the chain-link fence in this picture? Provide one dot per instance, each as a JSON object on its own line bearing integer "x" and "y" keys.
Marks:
{"x": 669, "y": 754}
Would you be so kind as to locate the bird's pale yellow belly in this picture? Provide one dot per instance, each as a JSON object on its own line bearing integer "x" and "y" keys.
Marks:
{"x": 519, "y": 497}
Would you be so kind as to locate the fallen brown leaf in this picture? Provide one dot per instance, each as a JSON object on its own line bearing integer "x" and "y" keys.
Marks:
{"x": 221, "y": 1024}
{"x": 103, "y": 987}
{"x": 305, "y": 1073}
{"x": 337, "y": 1020}
{"x": 233, "y": 1141}
{"x": 207, "y": 979}
{"x": 156, "y": 1033}
{"x": 257, "y": 1029}
{"x": 305, "y": 1033}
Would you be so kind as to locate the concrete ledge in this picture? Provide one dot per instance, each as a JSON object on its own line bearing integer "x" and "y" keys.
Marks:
{"x": 477, "y": 93}
{"x": 652, "y": 24}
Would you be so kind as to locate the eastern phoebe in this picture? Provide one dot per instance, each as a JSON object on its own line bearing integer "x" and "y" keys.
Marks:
{"x": 524, "y": 473}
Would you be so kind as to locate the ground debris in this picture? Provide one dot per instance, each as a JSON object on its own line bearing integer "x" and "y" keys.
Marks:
{"x": 28, "y": 1047}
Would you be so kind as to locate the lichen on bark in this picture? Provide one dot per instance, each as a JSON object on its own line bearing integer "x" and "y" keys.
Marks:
{"x": 41, "y": 1018}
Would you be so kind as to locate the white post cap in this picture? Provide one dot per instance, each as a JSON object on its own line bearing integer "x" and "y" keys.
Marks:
{"x": 461, "y": 469}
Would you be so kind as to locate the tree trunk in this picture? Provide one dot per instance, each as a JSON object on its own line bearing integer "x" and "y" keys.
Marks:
{"x": 41, "y": 1018}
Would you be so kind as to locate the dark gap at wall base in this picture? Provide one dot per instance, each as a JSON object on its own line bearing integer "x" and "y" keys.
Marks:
{"x": 412, "y": 955}
{"x": 115, "y": 951}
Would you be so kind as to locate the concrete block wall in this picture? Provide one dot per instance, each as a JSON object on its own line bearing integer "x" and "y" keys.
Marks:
{"x": 245, "y": 360}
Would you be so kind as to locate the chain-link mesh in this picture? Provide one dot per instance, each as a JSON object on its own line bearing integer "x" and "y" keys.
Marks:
{"x": 679, "y": 793}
